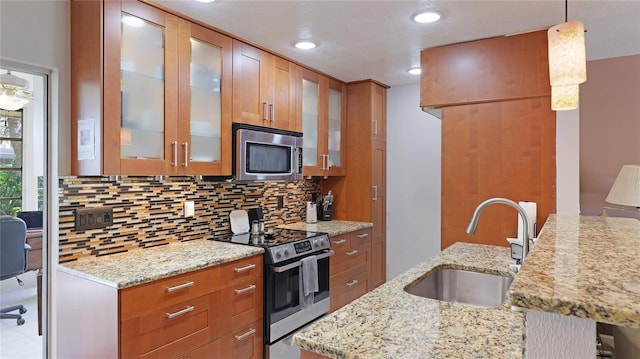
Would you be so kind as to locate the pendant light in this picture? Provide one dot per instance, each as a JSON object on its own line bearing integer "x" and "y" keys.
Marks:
{"x": 13, "y": 92}
{"x": 567, "y": 63}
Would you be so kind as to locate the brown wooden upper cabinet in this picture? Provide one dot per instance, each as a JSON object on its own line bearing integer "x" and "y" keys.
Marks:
{"x": 485, "y": 70}
{"x": 155, "y": 99}
{"x": 264, "y": 88}
{"x": 323, "y": 106}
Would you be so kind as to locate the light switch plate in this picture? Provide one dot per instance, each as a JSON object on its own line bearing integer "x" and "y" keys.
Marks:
{"x": 188, "y": 209}
{"x": 93, "y": 218}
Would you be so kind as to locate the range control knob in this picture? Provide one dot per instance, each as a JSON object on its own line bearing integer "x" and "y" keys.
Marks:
{"x": 279, "y": 253}
{"x": 286, "y": 251}
{"x": 315, "y": 242}
{"x": 322, "y": 242}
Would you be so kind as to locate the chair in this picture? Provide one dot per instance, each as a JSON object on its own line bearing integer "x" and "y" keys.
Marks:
{"x": 13, "y": 258}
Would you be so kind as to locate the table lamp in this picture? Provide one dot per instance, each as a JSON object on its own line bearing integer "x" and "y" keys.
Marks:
{"x": 625, "y": 190}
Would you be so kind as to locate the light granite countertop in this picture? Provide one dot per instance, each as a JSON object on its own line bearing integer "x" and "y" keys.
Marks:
{"x": 390, "y": 323}
{"x": 588, "y": 267}
{"x": 334, "y": 227}
{"x": 139, "y": 266}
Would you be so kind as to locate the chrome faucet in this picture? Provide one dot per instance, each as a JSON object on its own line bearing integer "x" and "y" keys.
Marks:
{"x": 471, "y": 228}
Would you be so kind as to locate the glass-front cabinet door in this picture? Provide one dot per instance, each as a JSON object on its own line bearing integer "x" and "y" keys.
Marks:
{"x": 336, "y": 125}
{"x": 311, "y": 151}
{"x": 205, "y": 101}
{"x": 323, "y": 109}
{"x": 140, "y": 109}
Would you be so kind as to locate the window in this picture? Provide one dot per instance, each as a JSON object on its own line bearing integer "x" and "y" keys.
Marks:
{"x": 10, "y": 161}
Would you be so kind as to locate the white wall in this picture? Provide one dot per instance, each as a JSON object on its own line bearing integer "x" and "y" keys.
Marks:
{"x": 37, "y": 33}
{"x": 413, "y": 181}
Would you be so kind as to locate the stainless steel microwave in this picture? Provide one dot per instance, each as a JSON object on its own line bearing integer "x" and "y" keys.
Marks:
{"x": 264, "y": 154}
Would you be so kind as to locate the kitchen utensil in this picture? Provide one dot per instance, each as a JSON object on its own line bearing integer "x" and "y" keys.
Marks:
{"x": 239, "y": 221}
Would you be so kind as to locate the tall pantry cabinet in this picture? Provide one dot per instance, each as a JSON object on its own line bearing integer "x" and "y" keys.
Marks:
{"x": 361, "y": 194}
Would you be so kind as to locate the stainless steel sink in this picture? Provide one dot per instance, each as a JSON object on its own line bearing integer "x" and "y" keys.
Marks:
{"x": 462, "y": 286}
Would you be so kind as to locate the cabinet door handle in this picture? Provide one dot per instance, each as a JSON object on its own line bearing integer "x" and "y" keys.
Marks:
{"x": 375, "y": 193}
{"x": 174, "y": 159}
{"x": 244, "y": 269}
{"x": 249, "y": 332}
{"x": 362, "y": 235}
{"x": 272, "y": 111}
{"x": 265, "y": 111}
{"x": 186, "y": 154}
{"x": 375, "y": 127}
{"x": 340, "y": 241}
{"x": 186, "y": 310}
{"x": 352, "y": 283}
{"x": 247, "y": 289}
{"x": 181, "y": 286}
{"x": 353, "y": 252}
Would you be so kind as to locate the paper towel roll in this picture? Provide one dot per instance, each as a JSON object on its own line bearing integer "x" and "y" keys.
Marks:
{"x": 532, "y": 212}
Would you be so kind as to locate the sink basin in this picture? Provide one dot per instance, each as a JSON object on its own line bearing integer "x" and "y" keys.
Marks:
{"x": 462, "y": 286}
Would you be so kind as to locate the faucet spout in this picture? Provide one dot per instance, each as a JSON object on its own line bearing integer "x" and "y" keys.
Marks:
{"x": 473, "y": 224}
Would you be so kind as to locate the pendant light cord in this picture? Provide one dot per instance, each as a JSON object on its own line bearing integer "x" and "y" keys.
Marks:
{"x": 566, "y": 10}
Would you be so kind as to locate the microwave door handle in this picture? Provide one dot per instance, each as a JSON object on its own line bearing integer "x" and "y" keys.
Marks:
{"x": 285, "y": 268}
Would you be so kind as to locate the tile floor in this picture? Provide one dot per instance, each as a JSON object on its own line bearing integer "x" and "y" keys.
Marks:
{"x": 20, "y": 341}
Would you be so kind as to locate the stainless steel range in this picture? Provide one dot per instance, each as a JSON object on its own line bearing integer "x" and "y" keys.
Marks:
{"x": 286, "y": 308}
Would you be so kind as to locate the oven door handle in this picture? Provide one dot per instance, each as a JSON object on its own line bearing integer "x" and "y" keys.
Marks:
{"x": 285, "y": 268}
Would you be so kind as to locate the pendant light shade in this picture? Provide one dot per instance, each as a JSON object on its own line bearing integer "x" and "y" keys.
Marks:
{"x": 567, "y": 56}
{"x": 565, "y": 97}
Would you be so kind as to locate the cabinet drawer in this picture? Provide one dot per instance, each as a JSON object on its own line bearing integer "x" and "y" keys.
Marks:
{"x": 162, "y": 293}
{"x": 208, "y": 351}
{"x": 243, "y": 302}
{"x": 243, "y": 343}
{"x": 358, "y": 253}
{"x": 340, "y": 244}
{"x": 348, "y": 286}
{"x": 241, "y": 270}
{"x": 172, "y": 330}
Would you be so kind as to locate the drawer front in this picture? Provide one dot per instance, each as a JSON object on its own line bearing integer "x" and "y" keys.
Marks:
{"x": 340, "y": 244}
{"x": 358, "y": 253}
{"x": 144, "y": 298}
{"x": 244, "y": 343}
{"x": 208, "y": 351}
{"x": 361, "y": 237}
{"x": 348, "y": 286}
{"x": 243, "y": 302}
{"x": 238, "y": 271}
{"x": 193, "y": 321}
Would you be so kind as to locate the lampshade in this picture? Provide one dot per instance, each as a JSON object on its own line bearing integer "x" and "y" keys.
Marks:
{"x": 565, "y": 97}
{"x": 13, "y": 92}
{"x": 626, "y": 188}
{"x": 567, "y": 56}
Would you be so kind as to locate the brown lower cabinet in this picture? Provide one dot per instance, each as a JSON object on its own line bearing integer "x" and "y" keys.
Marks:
{"x": 214, "y": 312}
{"x": 349, "y": 270}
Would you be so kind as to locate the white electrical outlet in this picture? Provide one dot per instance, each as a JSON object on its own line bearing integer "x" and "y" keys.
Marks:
{"x": 188, "y": 209}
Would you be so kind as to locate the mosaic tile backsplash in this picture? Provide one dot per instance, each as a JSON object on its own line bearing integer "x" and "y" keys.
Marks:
{"x": 147, "y": 211}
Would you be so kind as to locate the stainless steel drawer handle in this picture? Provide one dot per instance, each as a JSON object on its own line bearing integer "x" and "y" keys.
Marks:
{"x": 362, "y": 235}
{"x": 352, "y": 283}
{"x": 186, "y": 310}
{"x": 340, "y": 241}
{"x": 247, "y": 289}
{"x": 181, "y": 286}
{"x": 353, "y": 252}
{"x": 249, "y": 332}
{"x": 244, "y": 269}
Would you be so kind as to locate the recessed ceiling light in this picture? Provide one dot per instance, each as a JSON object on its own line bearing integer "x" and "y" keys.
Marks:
{"x": 305, "y": 45}
{"x": 132, "y": 21}
{"x": 205, "y": 0}
{"x": 415, "y": 71}
{"x": 427, "y": 17}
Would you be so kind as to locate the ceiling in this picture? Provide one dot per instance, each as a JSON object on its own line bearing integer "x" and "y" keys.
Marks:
{"x": 378, "y": 40}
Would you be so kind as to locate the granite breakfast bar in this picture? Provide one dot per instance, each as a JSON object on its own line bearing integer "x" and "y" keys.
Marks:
{"x": 391, "y": 323}
{"x": 581, "y": 270}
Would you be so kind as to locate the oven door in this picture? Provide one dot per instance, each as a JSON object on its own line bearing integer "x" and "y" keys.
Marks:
{"x": 284, "y": 309}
